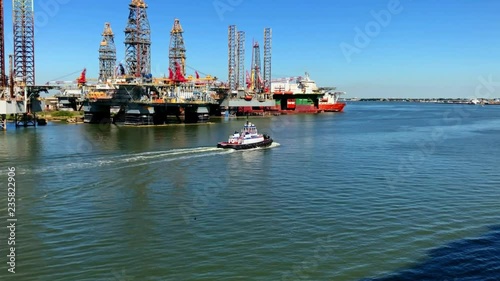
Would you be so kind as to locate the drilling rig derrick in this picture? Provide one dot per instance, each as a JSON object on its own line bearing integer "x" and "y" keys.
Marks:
{"x": 256, "y": 67}
{"x": 107, "y": 54}
{"x": 177, "y": 53}
{"x": 24, "y": 41}
{"x": 241, "y": 60}
{"x": 138, "y": 41}
{"x": 267, "y": 60}
{"x": 232, "y": 71}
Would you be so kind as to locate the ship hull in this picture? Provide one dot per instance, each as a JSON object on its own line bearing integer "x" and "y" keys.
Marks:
{"x": 264, "y": 143}
{"x": 336, "y": 107}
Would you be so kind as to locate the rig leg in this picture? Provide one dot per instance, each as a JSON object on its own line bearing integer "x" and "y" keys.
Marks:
{"x": 3, "y": 122}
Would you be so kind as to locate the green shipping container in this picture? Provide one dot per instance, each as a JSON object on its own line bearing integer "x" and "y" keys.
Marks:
{"x": 304, "y": 102}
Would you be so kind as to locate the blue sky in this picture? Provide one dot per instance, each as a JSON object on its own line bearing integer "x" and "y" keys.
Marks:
{"x": 428, "y": 48}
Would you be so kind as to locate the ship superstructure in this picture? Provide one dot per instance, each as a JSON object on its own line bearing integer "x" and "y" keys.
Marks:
{"x": 294, "y": 85}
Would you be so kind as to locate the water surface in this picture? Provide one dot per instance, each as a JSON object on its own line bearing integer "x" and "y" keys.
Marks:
{"x": 383, "y": 191}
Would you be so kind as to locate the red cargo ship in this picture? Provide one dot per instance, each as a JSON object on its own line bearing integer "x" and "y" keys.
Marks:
{"x": 288, "y": 96}
{"x": 330, "y": 102}
{"x": 302, "y": 95}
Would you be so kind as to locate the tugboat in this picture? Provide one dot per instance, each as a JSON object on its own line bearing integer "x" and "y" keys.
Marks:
{"x": 246, "y": 139}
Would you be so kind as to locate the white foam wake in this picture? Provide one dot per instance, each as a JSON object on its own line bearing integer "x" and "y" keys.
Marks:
{"x": 129, "y": 160}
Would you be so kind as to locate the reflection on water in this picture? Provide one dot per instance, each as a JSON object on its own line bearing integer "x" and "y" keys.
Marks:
{"x": 473, "y": 258}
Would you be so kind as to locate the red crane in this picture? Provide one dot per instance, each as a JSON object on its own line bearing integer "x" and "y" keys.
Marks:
{"x": 177, "y": 76}
{"x": 82, "y": 80}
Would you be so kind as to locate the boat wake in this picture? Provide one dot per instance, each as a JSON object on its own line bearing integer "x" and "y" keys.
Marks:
{"x": 115, "y": 162}
{"x": 148, "y": 158}
{"x": 274, "y": 144}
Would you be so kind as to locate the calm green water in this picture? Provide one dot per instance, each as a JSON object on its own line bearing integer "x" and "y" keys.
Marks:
{"x": 396, "y": 191}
